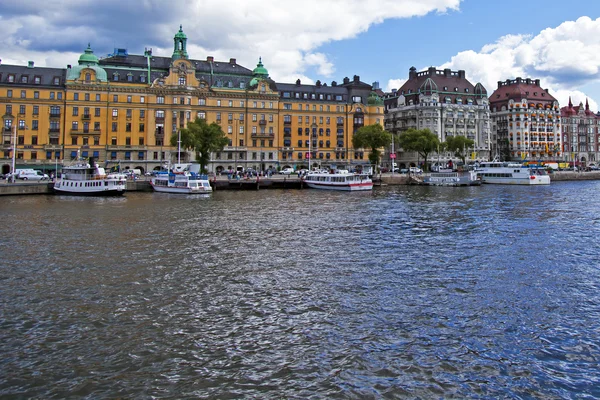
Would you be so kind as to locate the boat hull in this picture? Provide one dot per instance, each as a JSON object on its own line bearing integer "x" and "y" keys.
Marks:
{"x": 451, "y": 179}
{"x": 182, "y": 190}
{"x": 538, "y": 180}
{"x": 106, "y": 192}
{"x": 346, "y": 188}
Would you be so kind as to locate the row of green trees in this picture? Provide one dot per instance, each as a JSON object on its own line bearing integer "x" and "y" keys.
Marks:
{"x": 203, "y": 138}
{"x": 422, "y": 141}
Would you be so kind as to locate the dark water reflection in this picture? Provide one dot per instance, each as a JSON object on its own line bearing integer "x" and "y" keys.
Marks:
{"x": 405, "y": 292}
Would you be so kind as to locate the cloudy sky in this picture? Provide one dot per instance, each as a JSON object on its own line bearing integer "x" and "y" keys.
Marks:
{"x": 379, "y": 40}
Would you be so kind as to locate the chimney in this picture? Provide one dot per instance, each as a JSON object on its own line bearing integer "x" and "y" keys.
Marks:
{"x": 375, "y": 85}
{"x": 356, "y": 78}
{"x": 333, "y": 83}
{"x": 431, "y": 71}
{"x": 30, "y": 64}
{"x": 318, "y": 83}
{"x": 68, "y": 66}
{"x": 499, "y": 84}
{"x": 447, "y": 73}
{"x": 232, "y": 61}
{"x": 210, "y": 59}
{"x": 346, "y": 80}
{"x": 461, "y": 74}
{"x": 537, "y": 82}
{"x": 412, "y": 73}
{"x": 298, "y": 82}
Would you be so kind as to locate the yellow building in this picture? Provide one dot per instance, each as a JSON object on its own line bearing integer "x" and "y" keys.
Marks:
{"x": 123, "y": 110}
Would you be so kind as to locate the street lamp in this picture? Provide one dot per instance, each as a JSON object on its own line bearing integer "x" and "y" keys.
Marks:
{"x": 14, "y": 157}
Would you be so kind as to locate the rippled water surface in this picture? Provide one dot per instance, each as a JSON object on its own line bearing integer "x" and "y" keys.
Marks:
{"x": 406, "y": 292}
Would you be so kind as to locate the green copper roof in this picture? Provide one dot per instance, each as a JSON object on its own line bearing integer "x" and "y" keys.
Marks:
{"x": 374, "y": 100}
{"x": 260, "y": 70}
{"x": 87, "y": 60}
{"x": 88, "y": 57}
{"x": 180, "y": 34}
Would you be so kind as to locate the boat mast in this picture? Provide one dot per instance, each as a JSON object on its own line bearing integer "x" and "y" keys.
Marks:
{"x": 179, "y": 148}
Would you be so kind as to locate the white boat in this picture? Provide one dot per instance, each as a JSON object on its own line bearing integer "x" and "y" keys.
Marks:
{"x": 510, "y": 173}
{"x": 338, "y": 180}
{"x": 452, "y": 178}
{"x": 183, "y": 179}
{"x": 87, "y": 179}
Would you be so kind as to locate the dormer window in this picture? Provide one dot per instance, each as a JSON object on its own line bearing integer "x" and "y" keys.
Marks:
{"x": 56, "y": 81}
{"x": 456, "y": 89}
{"x": 445, "y": 88}
{"x": 242, "y": 85}
{"x": 11, "y": 78}
{"x": 182, "y": 81}
{"x": 24, "y": 79}
{"x": 230, "y": 84}
{"x": 88, "y": 77}
{"x": 467, "y": 90}
{"x": 129, "y": 77}
{"x": 142, "y": 78}
{"x": 116, "y": 76}
{"x": 37, "y": 80}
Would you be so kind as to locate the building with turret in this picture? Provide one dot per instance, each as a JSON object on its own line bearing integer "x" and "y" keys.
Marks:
{"x": 123, "y": 109}
{"x": 525, "y": 122}
{"x": 444, "y": 102}
{"x": 580, "y": 135}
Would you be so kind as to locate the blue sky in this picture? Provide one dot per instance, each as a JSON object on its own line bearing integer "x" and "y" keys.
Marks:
{"x": 554, "y": 41}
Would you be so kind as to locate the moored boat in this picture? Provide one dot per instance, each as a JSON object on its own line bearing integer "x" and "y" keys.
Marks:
{"x": 84, "y": 178}
{"x": 452, "y": 178}
{"x": 510, "y": 173}
{"x": 183, "y": 179}
{"x": 338, "y": 180}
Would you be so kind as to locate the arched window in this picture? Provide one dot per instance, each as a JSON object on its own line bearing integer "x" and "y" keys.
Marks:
{"x": 88, "y": 77}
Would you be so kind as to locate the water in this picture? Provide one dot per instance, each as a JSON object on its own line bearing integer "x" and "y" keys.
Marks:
{"x": 406, "y": 292}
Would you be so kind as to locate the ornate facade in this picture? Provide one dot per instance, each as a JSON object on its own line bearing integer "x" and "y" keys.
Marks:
{"x": 580, "y": 135}
{"x": 525, "y": 122}
{"x": 444, "y": 102}
{"x": 123, "y": 110}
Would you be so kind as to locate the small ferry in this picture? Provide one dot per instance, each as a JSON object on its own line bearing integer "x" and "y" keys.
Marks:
{"x": 183, "y": 179}
{"x": 338, "y": 180}
{"x": 452, "y": 178}
{"x": 85, "y": 178}
{"x": 511, "y": 173}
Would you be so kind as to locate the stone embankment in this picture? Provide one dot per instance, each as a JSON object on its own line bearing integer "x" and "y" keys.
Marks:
{"x": 274, "y": 182}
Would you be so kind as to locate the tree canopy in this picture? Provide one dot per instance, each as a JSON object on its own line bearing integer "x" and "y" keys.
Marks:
{"x": 460, "y": 146}
{"x": 203, "y": 139}
{"x": 373, "y": 137}
{"x": 423, "y": 141}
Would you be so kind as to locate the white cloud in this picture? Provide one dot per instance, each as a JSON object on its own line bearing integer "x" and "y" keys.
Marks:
{"x": 564, "y": 58}
{"x": 285, "y": 33}
{"x": 394, "y": 84}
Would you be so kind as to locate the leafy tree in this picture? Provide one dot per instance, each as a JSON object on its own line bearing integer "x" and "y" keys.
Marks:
{"x": 203, "y": 139}
{"x": 460, "y": 146}
{"x": 423, "y": 141}
{"x": 373, "y": 137}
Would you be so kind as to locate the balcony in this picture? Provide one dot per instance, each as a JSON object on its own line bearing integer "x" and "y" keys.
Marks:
{"x": 55, "y": 115}
{"x": 160, "y": 120}
{"x": 86, "y": 117}
{"x": 262, "y": 122}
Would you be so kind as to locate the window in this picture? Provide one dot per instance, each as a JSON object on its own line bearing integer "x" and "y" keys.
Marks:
{"x": 97, "y": 112}
{"x": 23, "y": 94}
{"x": 141, "y": 127}
{"x": 36, "y": 95}
{"x": 160, "y": 100}
{"x": 201, "y": 114}
{"x": 97, "y": 97}
{"x": 24, "y": 79}
{"x": 9, "y": 93}
{"x": 142, "y": 99}
{"x": 86, "y": 97}
{"x": 218, "y": 103}
{"x": 75, "y": 125}
{"x": 201, "y": 102}
{"x": 129, "y": 99}
{"x": 115, "y": 112}
{"x": 34, "y": 125}
{"x": 115, "y": 98}
{"x": 21, "y": 109}
{"x": 36, "y": 110}
{"x": 114, "y": 126}
{"x": 74, "y": 140}
{"x": 75, "y": 96}
{"x": 37, "y": 80}
{"x": 128, "y": 127}
{"x": 128, "y": 113}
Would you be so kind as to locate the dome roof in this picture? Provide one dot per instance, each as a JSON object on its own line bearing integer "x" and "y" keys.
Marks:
{"x": 180, "y": 34}
{"x": 429, "y": 86}
{"x": 480, "y": 90}
{"x": 88, "y": 57}
{"x": 87, "y": 61}
{"x": 260, "y": 70}
{"x": 374, "y": 100}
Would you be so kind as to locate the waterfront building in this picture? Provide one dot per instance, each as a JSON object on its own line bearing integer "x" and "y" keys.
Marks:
{"x": 444, "y": 102}
{"x": 124, "y": 108}
{"x": 580, "y": 140}
{"x": 32, "y": 108}
{"x": 525, "y": 122}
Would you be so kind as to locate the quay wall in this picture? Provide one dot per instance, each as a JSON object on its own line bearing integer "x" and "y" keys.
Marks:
{"x": 276, "y": 182}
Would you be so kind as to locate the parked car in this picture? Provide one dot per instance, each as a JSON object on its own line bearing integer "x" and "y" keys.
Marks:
{"x": 27, "y": 175}
{"x": 415, "y": 170}
{"x": 287, "y": 171}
